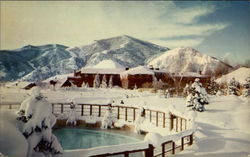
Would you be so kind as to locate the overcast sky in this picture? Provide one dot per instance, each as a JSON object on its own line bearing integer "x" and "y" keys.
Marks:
{"x": 220, "y": 29}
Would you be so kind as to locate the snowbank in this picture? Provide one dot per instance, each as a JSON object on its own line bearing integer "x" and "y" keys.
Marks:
{"x": 12, "y": 142}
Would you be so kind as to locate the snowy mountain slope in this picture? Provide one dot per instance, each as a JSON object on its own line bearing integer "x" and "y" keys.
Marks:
{"x": 108, "y": 64}
{"x": 185, "y": 59}
{"x": 33, "y": 63}
{"x": 125, "y": 50}
{"x": 240, "y": 75}
{"x": 37, "y": 62}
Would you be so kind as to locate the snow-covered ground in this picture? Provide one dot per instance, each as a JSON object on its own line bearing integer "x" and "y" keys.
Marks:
{"x": 222, "y": 130}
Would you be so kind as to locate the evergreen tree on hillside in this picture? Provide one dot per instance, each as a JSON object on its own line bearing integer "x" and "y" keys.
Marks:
{"x": 246, "y": 91}
{"x": 233, "y": 87}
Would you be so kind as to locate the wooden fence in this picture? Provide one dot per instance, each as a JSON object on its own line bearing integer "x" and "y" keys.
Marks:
{"x": 157, "y": 118}
{"x": 167, "y": 148}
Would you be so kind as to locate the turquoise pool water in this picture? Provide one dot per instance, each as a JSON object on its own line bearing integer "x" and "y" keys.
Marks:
{"x": 73, "y": 138}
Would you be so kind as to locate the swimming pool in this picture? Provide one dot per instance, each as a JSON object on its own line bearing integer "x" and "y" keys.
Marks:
{"x": 77, "y": 138}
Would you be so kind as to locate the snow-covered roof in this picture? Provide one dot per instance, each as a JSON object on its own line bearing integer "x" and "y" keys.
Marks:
{"x": 21, "y": 84}
{"x": 240, "y": 75}
{"x": 101, "y": 71}
{"x": 108, "y": 64}
{"x": 139, "y": 70}
{"x": 60, "y": 78}
{"x": 104, "y": 67}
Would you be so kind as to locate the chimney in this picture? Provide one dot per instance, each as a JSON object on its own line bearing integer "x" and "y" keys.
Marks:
{"x": 151, "y": 67}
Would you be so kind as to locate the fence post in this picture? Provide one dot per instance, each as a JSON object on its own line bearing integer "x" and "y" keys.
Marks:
{"x": 118, "y": 115}
{"x": 164, "y": 119}
{"x": 181, "y": 124}
{"x": 163, "y": 150}
{"x": 150, "y": 151}
{"x": 99, "y": 113}
{"x": 173, "y": 147}
{"x": 150, "y": 116}
{"x": 53, "y": 105}
{"x": 176, "y": 124}
{"x": 90, "y": 109}
{"x": 171, "y": 122}
{"x": 191, "y": 139}
{"x": 126, "y": 154}
{"x": 157, "y": 113}
{"x": 134, "y": 114}
{"x": 126, "y": 113}
{"x": 185, "y": 124}
{"x": 82, "y": 110}
{"x": 182, "y": 143}
{"x": 61, "y": 108}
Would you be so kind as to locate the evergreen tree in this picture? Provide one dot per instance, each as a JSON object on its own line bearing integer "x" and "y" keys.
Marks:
{"x": 233, "y": 87}
{"x": 212, "y": 87}
{"x": 96, "y": 82}
{"x": 104, "y": 82}
{"x": 186, "y": 90}
{"x": 246, "y": 91}
{"x": 197, "y": 97}
{"x": 111, "y": 81}
{"x": 155, "y": 82}
{"x": 135, "y": 87}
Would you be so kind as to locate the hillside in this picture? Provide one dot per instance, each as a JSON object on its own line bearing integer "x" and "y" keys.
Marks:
{"x": 239, "y": 74}
{"x": 125, "y": 50}
{"x": 185, "y": 59}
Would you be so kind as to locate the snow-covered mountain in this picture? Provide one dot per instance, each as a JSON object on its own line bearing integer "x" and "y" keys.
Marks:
{"x": 37, "y": 62}
{"x": 240, "y": 76}
{"x": 125, "y": 50}
{"x": 185, "y": 59}
{"x": 34, "y": 63}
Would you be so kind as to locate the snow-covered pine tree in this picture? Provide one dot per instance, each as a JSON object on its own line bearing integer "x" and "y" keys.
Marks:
{"x": 36, "y": 114}
{"x": 155, "y": 82}
{"x": 197, "y": 97}
{"x": 186, "y": 90}
{"x": 72, "y": 115}
{"x": 233, "y": 87}
{"x": 96, "y": 82}
{"x": 104, "y": 82}
{"x": 160, "y": 84}
{"x": 111, "y": 81}
{"x": 108, "y": 119}
{"x": 246, "y": 90}
{"x": 213, "y": 87}
{"x": 167, "y": 93}
{"x": 86, "y": 85}
{"x": 135, "y": 87}
{"x": 83, "y": 84}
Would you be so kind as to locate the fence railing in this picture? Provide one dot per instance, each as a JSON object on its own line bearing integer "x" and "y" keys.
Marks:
{"x": 157, "y": 118}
